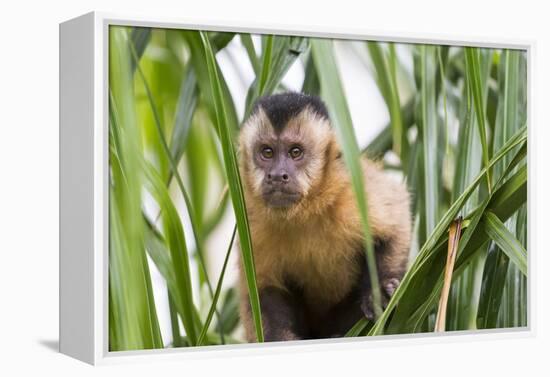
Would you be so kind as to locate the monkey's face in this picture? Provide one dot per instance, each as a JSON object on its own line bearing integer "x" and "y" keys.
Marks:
{"x": 284, "y": 163}
{"x": 280, "y": 161}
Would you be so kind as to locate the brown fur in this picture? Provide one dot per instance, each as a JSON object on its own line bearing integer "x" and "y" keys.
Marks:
{"x": 316, "y": 242}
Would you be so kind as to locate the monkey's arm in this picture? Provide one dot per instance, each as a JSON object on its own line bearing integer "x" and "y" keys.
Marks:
{"x": 390, "y": 221}
{"x": 391, "y": 263}
{"x": 280, "y": 314}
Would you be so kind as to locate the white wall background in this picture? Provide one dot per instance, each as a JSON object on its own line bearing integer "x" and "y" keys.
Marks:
{"x": 29, "y": 184}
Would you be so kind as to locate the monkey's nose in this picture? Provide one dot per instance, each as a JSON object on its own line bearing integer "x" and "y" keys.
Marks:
{"x": 278, "y": 177}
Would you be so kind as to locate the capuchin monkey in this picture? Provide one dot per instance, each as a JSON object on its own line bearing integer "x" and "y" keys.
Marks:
{"x": 307, "y": 237}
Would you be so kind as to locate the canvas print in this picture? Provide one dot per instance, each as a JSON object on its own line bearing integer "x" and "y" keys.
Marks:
{"x": 276, "y": 188}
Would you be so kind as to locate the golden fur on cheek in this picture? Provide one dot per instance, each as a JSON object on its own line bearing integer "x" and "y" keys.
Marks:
{"x": 258, "y": 176}
{"x": 250, "y": 131}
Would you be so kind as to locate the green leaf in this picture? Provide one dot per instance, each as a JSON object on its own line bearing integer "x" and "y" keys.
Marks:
{"x": 494, "y": 275}
{"x": 246, "y": 40}
{"x": 174, "y": 324}
{"x": 498, "y": 232}
{"x": 133, "y": 322}
{"x": 198, "y": 59}
{"x": 387, "y": 83}
{"x": 220, "y": 39}
{"x": 473, "y": 69}
{"x": 140, "y": 37}
{"x": 510, "y": 100}
{"x": 382, "y": 142}
{"x": 441, "y": 69}
{"x": 426, "y": 61}
{"x": 229, "y": 312}
{"x": 333, "y": 93}
{"x": 279, "y": 54}
{"x": 175, "y": 240}
{"x": 311, "y": 83}
{"x": 187, "y": 103}
{"x": 469, "y": 151}
{"x": 510, "y": 195}
{"x": 466, "y": 290}
{"x": 266, "y": 63}
{"x": 495, "y": 301}
{"x": 218, "y": 290}
{"x": 359, "y": 328}
{"x": 235, "y": 185}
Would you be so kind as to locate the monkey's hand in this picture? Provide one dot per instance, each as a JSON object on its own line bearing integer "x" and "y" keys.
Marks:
{"x": 388, "y": 287}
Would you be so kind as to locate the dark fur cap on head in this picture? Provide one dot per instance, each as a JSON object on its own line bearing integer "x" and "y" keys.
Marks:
{"x": 280, "y": 108}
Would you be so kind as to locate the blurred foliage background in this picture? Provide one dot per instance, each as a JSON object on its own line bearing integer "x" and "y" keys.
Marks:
{"x": 456, "y": 134}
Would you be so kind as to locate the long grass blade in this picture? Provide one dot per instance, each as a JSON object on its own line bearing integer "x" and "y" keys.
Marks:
{"x": 359, "y": 328}
{"x": 429, "y": 134}
{"x": 311, "y": 83}
{"x": 266, "y": 64}
{"x": 474, "y": 78}
{"x": 140, "y": 37}
{"x": 387, "y": 83}
{"x": 444, "y": 95}
{"x": 133, "y": 319}
{"x": 187, "y": 103}
{"x": 218, "y": 290}
{"x": 333, "y": 93}
{"x": 498, "y": 232}
{"x": 383, "y": 141}
{"x": 235, "y": 187}
{"x": 279, "y": 54}
{"x": 246, "y": 40}
{"x": 174, "y": 322}
{"x": 198, "y": 58}
{"x": 466, "y": 292}
{"x": 175, "y": 239}
{"x": 496, "y": 301}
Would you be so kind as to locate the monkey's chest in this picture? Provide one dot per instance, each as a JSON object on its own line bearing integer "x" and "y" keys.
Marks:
{"x": 325, "y": 274}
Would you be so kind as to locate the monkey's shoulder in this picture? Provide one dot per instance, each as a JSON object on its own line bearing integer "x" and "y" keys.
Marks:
{"x": 388, "y": 201}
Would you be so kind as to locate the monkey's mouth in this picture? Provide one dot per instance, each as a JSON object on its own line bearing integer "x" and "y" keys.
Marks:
{"x": 280, "y": 197}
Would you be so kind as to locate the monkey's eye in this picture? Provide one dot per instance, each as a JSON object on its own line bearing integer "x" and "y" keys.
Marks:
{"x": 295, "y": 152}
{"x": 267, "y": 153}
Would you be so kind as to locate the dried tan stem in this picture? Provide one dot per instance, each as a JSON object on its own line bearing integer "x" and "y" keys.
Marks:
{"x": 454, "y": 237}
